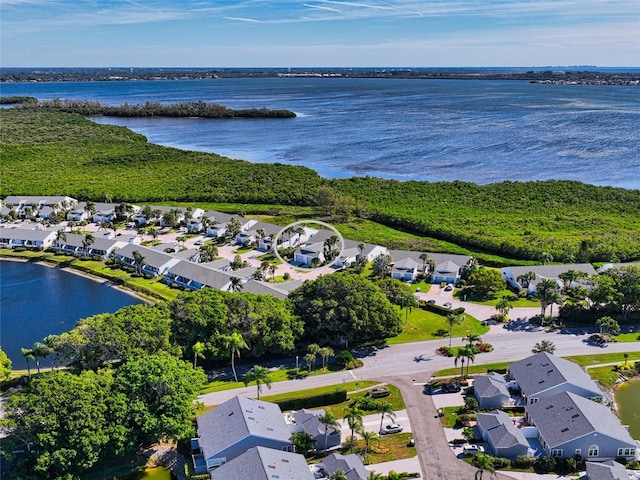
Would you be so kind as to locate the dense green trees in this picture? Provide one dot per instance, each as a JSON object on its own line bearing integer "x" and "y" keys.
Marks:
{"x": 344, "y": 307}
{"x": 587, "y": 223}
{"x": 66, "y": 422}
{"x": 5, "y": 366}
{"x": 485, "y": 280}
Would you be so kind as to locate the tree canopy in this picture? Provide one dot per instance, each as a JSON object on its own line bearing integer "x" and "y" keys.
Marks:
{"x": 345, "y": 307}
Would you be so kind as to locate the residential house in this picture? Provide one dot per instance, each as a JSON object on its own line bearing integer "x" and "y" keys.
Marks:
{"x": 235, "y": 426}
{"x": 350, "y": 464}
{"x": 405, "y": 270}
{"x": 306, "y": 254}
{"x": 446, "y": 272}
{"x": 609, "y": 470}
{"x": 260, "y": 463}
{"x": 22, "y": 237}
{"x": 154, "y": 263}
{"x": 35, "y": 203}
{"x": 308, "y": 421}
{"x": 491, "y": 390}
{"x": 543, "y": 375}
{"x": 195, "y": 276}
{"x": 448, "y": 266}
{"x": 101, "y": 246}
{"x": 571, "y": 426}
{"x": 542, "y": 272}
{"x": 504, "y": 438}
{"x": 265, "y": 242}
{"x": 105, "y": 212}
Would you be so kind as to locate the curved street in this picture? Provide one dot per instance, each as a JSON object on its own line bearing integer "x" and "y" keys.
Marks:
{"x": 410, "y": 365}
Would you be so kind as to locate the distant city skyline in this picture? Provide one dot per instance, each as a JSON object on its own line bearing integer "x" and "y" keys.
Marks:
{"x": 319, "y": 33}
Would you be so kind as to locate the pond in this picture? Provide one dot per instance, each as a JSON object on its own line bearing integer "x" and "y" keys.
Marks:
{"x": 156, "y": 473}
{"x": 628, "y": 400}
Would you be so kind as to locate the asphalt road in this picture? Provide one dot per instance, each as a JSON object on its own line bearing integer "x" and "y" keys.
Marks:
{"x": 411, "y": 364}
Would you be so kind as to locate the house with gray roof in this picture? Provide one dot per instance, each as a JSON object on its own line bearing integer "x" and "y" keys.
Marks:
{"x": 28, "y": 238}
{"x": 491, "y": 390}
{"x": 73, "y": 244}
{"x": 503, "y": 437}
{"x": 154, "y": 263}
{"x": 609, "y": 470}
{"x": 571, "y": 426}
{"x": 543, "y": 375}
{"x": 306, "y": 254}
{"x": 447, "y": 272}
{"x": 448, "y": 266}
{"x": 259, "y": 463}
{"x": 405, "y": 269}
{"x": 350, "y": 464}
{"x": 308, "y": 421}
{"x": 195, "y": 276}
{"x": 543, "y": 272}
{"x": 230, "y": 429}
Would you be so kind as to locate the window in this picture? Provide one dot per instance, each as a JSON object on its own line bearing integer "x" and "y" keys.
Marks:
{"x": 594, "y": 450}
{"x": 556, "y": 452}
{"x": 533, "y": 400}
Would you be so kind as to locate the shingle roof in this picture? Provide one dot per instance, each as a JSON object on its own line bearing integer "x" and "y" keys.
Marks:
{"x": 310, "y": 422}
{"x": 447, "y": 267}
{"x": 609, "y": 470}
{"x": 260, "y": 463}
{"x": 502, "y": 432}
{"x": 238, "y": 418}
{"x": 350, "y": 464}
{"x": 436, "y": 257}
{"x": 151, "y": 257}
{"x": 543, "y": 371}
{"x": 552, "y": 271}
{"x": 566, "y": 416}
{"x": 490, "y": 385}
{"x": 25, "y": 234}
{"x": 201, "y": 273}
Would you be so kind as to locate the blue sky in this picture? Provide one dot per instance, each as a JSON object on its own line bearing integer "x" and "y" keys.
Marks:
{"x": 284, "y": 33}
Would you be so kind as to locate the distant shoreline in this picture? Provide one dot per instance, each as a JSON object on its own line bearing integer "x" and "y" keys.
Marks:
{"x": 569, "y": 75}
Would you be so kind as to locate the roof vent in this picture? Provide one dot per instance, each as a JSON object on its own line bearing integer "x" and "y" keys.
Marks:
{"x": 549, "y": 406}
{"x": 575, "y": 415}
{"x": 529, "y": 364}
{"x": 285, "y": 460}
{"x": 269, "y": 429}
{"x": 272, "y": 466}
{"x": 550, "y": 371}
{"x": 251, "y": 418}
{"x": 565, "y": 429}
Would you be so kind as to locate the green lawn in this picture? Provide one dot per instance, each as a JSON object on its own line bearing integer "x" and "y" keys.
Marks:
{"x": 627, "y": 337}
{"x": 425, "y": 325}
{"x": 519, "y": 302}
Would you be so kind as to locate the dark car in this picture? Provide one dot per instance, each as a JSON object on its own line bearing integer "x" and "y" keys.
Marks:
{"x": 450, "y": 387}
{"x": 378, "y": 392}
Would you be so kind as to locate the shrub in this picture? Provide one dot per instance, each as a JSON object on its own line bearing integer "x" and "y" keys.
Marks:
{"x": 522, "y": 461}
{"x": 313, "y": 401}
{"x": 20, "y": 249}
{"x": 148, "y": 276}
{"x": 366, "y": 403}
{"x": 500, "y": 463}
{"x": 344, "y": 358}
{"x": 545, "y": 464}
{"x": 444, "y": 351}
{"x": 286, "y": 276}
{"x": 471, "y": 404}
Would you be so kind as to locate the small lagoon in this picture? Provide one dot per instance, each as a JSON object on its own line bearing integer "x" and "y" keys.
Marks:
{"x": 37, "y": 300}
{"x": 628, "y": 401}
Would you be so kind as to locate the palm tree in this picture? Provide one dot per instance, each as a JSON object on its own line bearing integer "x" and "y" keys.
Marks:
{"x": 338, "y": 475}
{"x": 452, "y": 320}
{"x": 208, "y": 253}
{"x": 138, "y": 259}
{"x": 472, "y": 338}
{"x": 40, "y": 350}
{"x": 471, "y": 357}
{"x": 385, "y": 409}
{"x": 90, "y": 208}
{"x": 545, "y": 290}
{"x": 546, "y": 257}
{"x": 51, "y": 341}
{"x": 353, "y": 416}
{"x": 375, "y": 476}
{"x": 503, "y": 307}
{"x": 27, "y": 353}
{"x": 368, "y": 437}
{"x": 87, "y": 242}
{"x": 260, "y": 375}
{"x": 234, "y": 343}
{"x": 198, "y": 351}
{"x": 329, "y": 420}
{"x": 544, "y": 346}
{"x": 236, "y": 285}
{"x": 483, "y": 462}
{"x": 325, "y": 353}
{"x": 310, "y": 359}
{"x": 272, "y": 270}
{"x": 408, "y": 301}
{"x": 425, "y": 261}
{"x": 525, "y": 279}
{"x": 461, "y": 355}
{"x": 61, "y": 236}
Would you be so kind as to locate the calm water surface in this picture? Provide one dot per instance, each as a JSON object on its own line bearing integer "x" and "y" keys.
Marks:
{"x": 628, "y": 400}
{"x": 37, "y": 300}
{"x": 475, "y": 130}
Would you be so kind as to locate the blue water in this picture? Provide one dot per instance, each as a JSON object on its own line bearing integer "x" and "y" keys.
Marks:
{"x": 480, "y": 131}
{"x": 36, "y": 301}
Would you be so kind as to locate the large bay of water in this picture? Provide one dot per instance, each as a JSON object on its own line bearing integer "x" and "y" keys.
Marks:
{"x": 36, "y": 300}
{"x": 473, "y": 130}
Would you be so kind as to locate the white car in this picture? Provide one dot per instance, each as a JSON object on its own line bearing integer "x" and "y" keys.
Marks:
{"x": 391, "y": 428}
{"x": 199, "y": 242}
{"x": 447, "y": 305}
{"x": 472, "y": 449}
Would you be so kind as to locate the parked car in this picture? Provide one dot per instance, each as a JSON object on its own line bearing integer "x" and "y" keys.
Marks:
{"x": 450, "y": 387}
{"x": 472, "y": 449}
{"x": 199, "y": 242}
{"x": 391, "y": 428}
{"x": 431, "y": 300}
{"x": 448, "y": 288}
{"x": 447, "y": 304}
{"x": 378, "y": 392}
